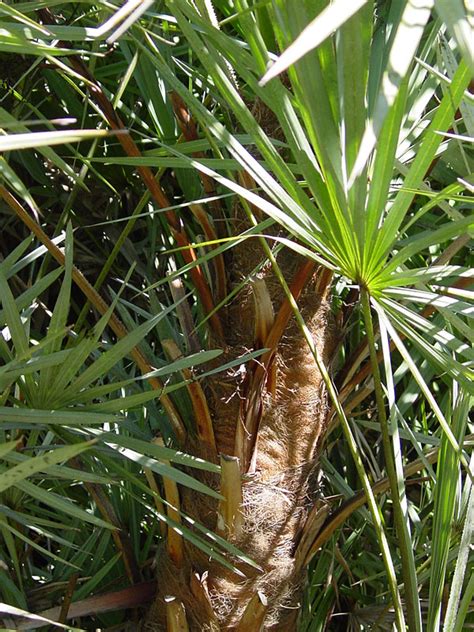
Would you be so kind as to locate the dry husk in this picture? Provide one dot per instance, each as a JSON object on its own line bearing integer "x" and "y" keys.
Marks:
{"x": 278, "y": 491}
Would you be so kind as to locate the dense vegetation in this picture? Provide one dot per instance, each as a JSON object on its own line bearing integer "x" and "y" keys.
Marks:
{"x": 226, "y": 292}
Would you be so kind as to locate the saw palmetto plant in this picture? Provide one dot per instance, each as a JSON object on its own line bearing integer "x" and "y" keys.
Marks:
{"x": 236, "y": 306}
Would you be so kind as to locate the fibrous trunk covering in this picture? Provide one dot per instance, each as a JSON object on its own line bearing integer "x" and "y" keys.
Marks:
{"x": 282, "y": 396}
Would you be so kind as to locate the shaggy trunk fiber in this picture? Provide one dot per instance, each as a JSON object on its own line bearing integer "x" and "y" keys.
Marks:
{"x": 272, "y": 415}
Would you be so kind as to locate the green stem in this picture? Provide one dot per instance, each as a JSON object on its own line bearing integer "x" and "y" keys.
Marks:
{"x": 397, "y": 488}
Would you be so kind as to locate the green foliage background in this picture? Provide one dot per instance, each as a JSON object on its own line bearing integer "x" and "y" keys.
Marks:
{"x": 370, "y": 172}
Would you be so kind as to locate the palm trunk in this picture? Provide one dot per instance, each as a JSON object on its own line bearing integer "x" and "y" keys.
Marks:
{"x": 272, "y": 417}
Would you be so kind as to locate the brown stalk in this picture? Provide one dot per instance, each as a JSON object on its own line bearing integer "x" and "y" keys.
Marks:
{"x": 71, "y": 586}
{"x": 246, "y": 180}
{"x": 175, "y": 616}
{"x": 98, "y": 302}
{"x": 264, "y": 319}
{"x": 264, "y": 314}
{"x": 119, "y": 535}
{"x": 131, "y": 149}
{"x": 199, "y": 589}
{"x": 338, "y": 517}
{"x": 323, "y": 283}
{"x": 229, "y": 513}
{"x": 312, "y": 528}
{"x": 199, "y": 282}
{"x": 358, "y": 397}
{"x": 254, "y": 615}
{"x": 202, "y": 416}
{"x": 249, "y": 419}
{"x": 174, "y": 541}
{"x": 130, "y": 597}
{"x": 185, "y": 316}
{"x": 150, "y": 477}
{"x": 218, "y": 260}
{"x": 188, "y": 128}
{"x": 285, "y": 313}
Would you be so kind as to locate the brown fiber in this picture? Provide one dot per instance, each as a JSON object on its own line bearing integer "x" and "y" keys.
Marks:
{"x": 277, "y": 493}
